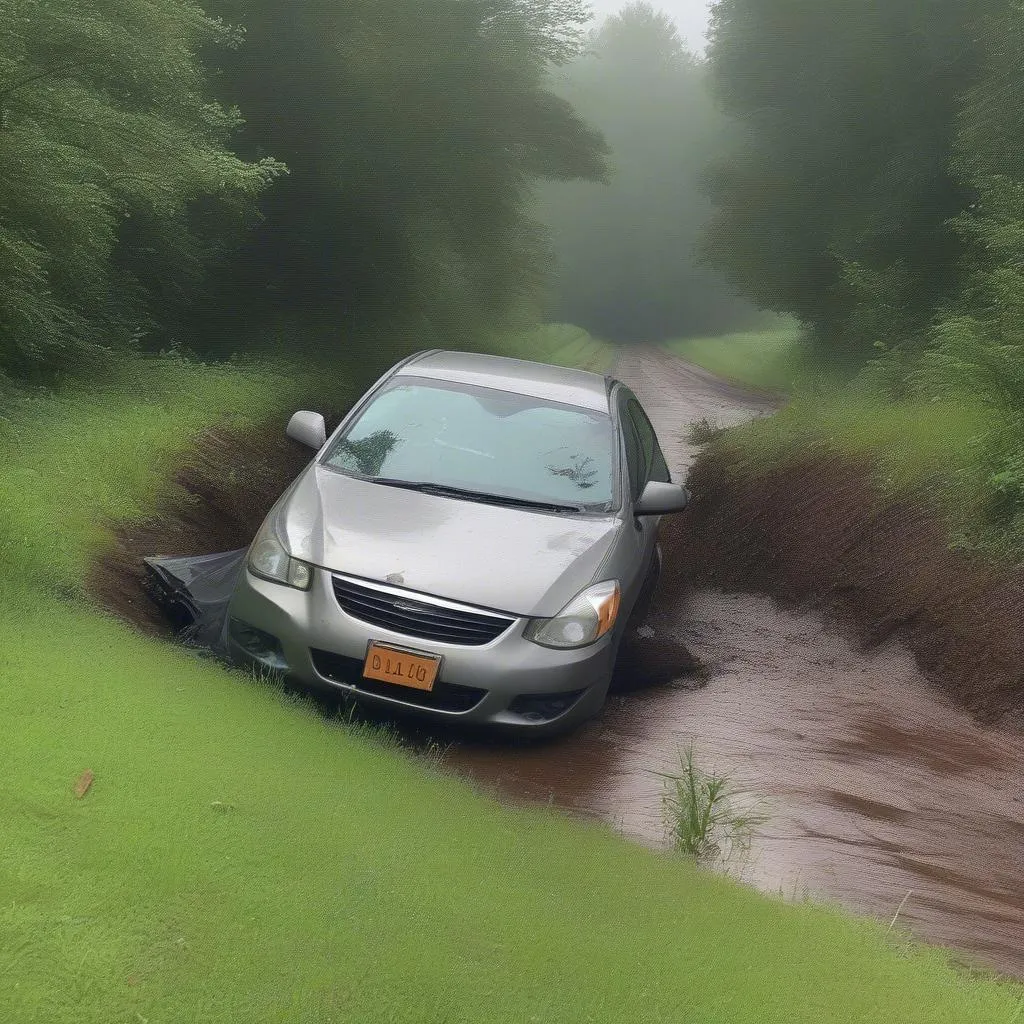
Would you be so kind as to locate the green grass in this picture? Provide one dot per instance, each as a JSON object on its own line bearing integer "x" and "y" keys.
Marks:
{"x": 560, "y": 344}
{"x": 348, "y": 882}
{"x": 77, "y": 461}
{"x": 772, "y": 359}
{"x": 910, "y": 443}
{"x": 240, "y": 859}
{"x": 934, "y": 449}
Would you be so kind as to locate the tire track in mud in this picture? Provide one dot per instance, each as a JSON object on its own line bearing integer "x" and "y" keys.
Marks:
{"x": 876, "y": 784}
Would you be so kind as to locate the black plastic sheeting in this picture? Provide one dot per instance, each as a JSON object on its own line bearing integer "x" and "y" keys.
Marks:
{"x": 194, "y": 593}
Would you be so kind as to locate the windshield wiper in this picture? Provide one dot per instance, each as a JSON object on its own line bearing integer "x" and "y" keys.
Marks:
{"x": 444, "y": 491}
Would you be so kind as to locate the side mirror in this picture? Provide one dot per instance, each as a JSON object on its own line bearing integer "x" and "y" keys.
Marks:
{"x": 660, "y": 499}
{"x": 309, "y": 428}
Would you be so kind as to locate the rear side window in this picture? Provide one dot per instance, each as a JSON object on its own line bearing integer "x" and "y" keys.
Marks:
{"x": 634, "y": 455}
{"x": 646, "y": 461}
{"x": 655, "y": 467}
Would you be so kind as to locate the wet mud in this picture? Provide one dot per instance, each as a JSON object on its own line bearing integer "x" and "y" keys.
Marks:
{"x": 878, "y": 780}
{"x": 818, "y": 532}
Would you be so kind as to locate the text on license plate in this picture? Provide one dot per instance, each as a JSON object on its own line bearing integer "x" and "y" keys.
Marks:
{"x": 387, "y": 665}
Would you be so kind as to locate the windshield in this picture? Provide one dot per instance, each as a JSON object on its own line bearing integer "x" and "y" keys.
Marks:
{"x": 482, "y": 440}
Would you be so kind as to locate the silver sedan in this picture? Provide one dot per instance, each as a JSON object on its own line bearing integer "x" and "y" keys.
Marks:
{"x": 471, "y": 544}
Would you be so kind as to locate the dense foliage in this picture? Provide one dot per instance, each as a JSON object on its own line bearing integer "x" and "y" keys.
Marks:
{"x": 879, "y": 196}
{"x": 979, "y": 339}
{"x": 108, "y": 141}
{"x": 626, "y": 266}
{"x": 414, "y": 134}
{"x": 136, "y": 207}
{"x": 837, "y": 205}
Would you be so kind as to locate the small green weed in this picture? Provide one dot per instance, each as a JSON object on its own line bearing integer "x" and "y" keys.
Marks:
{"x": 701, "y": 815}
{"x": 703, "y": 431}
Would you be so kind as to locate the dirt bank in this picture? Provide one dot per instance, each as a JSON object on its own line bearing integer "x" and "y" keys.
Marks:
{"x": 877, "y": 782}
{"x": 216, "y": 502}
{"x": 819, "y": 534}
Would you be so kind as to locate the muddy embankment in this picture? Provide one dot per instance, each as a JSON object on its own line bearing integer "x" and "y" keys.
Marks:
{"x": 882, "y": 790}
{"x": 819, "y": 534}
{"x": 216, "y": 501}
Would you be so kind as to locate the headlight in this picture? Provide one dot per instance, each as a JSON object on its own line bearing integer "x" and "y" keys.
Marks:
{"x": 269, "y": 560}
{"x": 586, "y": 618}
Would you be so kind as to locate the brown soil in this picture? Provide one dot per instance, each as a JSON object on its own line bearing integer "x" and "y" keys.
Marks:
{"x": 819, "y": 533}
{"x": 216, "y": 502}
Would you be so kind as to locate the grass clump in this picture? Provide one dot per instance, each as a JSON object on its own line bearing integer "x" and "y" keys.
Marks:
{"x": 703, "y": 431}
{"x": 702, "y": 817}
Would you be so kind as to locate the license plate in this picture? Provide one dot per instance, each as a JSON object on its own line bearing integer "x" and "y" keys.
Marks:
{"x": 388, "y": 665}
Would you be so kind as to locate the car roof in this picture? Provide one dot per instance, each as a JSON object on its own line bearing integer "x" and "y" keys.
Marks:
{"x": 520, "y": 376}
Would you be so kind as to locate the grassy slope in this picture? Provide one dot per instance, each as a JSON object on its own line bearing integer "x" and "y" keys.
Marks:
{"x": 239, "y": 859}
{"x": 768, "y": 359}
{"x": 930, "y": 448}
{"x": 562, "y": 344}
{"x": 74, "y": 461}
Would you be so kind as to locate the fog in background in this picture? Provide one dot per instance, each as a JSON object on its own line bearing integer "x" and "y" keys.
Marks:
{"x": 690, "y": 17}
{"x": 401, "y": 170}
{"x": 626, "y": 251}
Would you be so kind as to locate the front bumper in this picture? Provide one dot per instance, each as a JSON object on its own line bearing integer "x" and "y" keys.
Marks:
{"x": 510, "y": 682}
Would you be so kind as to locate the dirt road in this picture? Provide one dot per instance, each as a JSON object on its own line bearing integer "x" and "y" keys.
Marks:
{"x": 876, "y": 785}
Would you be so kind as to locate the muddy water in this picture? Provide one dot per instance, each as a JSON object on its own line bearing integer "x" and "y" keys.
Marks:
{"x": 876, "y": 787}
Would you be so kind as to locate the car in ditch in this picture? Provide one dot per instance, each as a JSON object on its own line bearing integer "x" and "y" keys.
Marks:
{"x": 470, "y": 544}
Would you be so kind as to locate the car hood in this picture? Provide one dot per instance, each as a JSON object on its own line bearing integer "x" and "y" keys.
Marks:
{"x": 512, "y": 560}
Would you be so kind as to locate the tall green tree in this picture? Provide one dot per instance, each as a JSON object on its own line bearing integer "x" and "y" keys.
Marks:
{"x": 978, "y": 342}
{"x": 108, "y": 140}
{"x": 626, "y": 249}
{"x": 837, "y": 206}
{"x": 414, "y": 133}
{"x": 983, "y": 324}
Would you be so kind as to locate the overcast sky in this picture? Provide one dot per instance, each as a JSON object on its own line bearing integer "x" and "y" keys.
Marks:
{"x": 690, "y": 15}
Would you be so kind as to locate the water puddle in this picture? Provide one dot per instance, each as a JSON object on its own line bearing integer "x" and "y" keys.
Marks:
{"x": 876, "y": 786}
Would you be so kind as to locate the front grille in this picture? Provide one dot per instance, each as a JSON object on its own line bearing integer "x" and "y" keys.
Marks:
{"x": 443, "y": 697}
{"x": 426, "y": 620}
